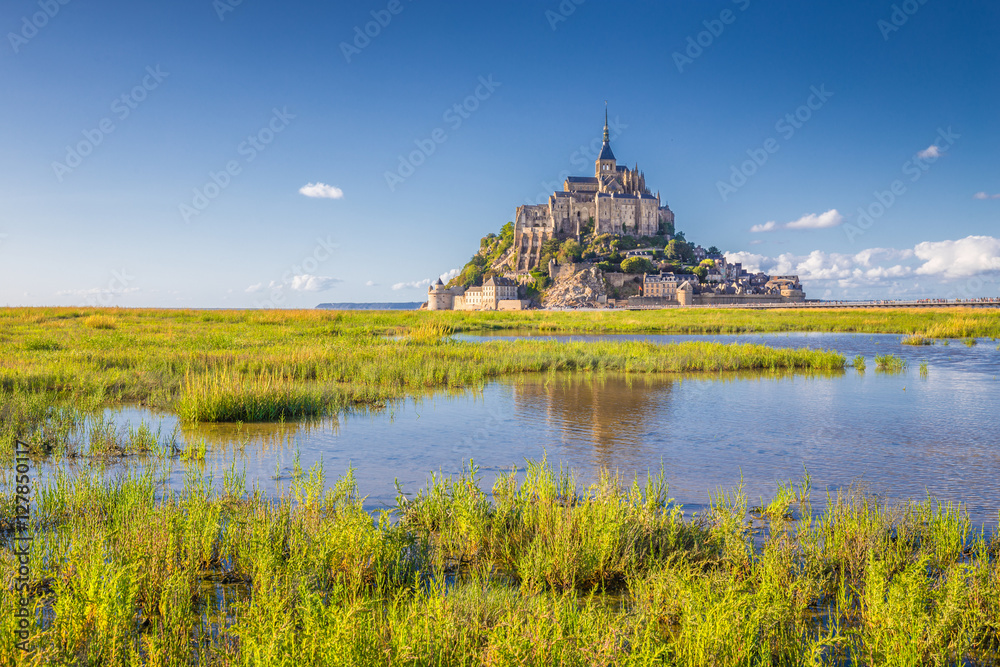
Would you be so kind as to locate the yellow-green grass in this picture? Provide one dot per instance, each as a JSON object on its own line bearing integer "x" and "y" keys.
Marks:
{"x": 541, "y": 572}
{"x": 252, "y": 366}
{"x": 916, "y": 339}
{"x": 930, "y": 322}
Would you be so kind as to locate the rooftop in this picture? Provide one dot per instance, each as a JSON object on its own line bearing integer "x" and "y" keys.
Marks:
{"x": 606, "y": 153}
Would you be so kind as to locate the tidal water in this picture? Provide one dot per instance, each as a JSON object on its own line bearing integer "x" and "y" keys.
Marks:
{"x": 901, "y": 435}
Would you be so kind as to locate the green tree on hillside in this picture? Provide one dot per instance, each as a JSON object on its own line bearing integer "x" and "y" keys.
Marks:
{"x": 638, "y": 265}
{"x": 678, "y": 251}
{"x": 570, "y": 251}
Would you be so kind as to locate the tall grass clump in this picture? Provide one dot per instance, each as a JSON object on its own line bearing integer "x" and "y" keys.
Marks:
{"x": 859, "y": 362}
{"x": 225, "y": 396}
{"x": 916, "y": 339}
{"x": 100, "y": 322}
{"x": 890, "y": 363}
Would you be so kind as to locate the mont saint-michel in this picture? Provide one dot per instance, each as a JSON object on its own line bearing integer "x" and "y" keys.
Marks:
{"x": 605, "y": 240}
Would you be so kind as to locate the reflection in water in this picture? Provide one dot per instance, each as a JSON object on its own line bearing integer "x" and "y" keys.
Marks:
{"x": 267, "y": 436}
{"x": 611, "y": 413}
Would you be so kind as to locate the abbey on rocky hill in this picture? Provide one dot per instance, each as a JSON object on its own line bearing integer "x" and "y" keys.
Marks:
{"x": 614, "y": 201}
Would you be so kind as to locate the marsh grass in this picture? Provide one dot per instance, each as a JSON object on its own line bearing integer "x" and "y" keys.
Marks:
{"x": 196, "y": 452}
{"x": 890, "y": 363}
{"x": 58, "y": 430}
{"x": 917, "y": 339}
{"x": 100, "y": 322}
{"x": 41, "y": 345}
{"x": 540, "y": 571}
{"x": 246, "y": 365}
{"x": 230, "y": 396}
{"x": 241, "y": 366}
{"x": 859, "y": 363}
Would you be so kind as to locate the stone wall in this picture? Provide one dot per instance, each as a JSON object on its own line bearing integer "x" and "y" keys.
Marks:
{"x": 735, "y": 299}
{"x": 619, "y": 279}
{"x": 651, "y": 302}
{"x": 513, "y": 304}
{"x": 528, "y": 243}
{"x": 568, "y": 270}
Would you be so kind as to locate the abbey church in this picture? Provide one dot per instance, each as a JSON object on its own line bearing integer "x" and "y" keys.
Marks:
{"x": 616, "y": 200}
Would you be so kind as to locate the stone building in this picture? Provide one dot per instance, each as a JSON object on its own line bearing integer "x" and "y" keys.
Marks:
{"x": 440, "y": 297}
{"x": 498, "y": 289}
{"x": 471, "y": 300}
{"x": 616, "y": 200}
{"x": 496, "y": 293}
{"x": 661, "y": 290}
{"x": 662, "y": 285}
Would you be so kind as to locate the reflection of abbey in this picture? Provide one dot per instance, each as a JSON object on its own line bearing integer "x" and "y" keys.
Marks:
{"x": 615, "y": 200}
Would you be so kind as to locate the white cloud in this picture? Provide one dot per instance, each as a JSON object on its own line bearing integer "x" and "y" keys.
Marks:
{"x": 959, "y": 259}
{"x": 844, "y": 270}
{"x": 869, "y": 256}
{"x": 831, "y": 218}
{"x": 931, "y": 151}
{"x": 371, "y": 283}
{"x": 253, "y": 289}
{"x": 749, "y": 260}
{"x": 883, "y": 271}
{"x": 413, "y": 284}
{"x": 310, "y": 283}
{"x": 321, "y": 191}
{"x": 426, "y": 282}
{"x": 766, "y": 227}
{"x": 983, "y": 195}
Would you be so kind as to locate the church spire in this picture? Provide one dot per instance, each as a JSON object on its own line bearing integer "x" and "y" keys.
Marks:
{"x": 606, "y": 139}
{"x": 605, "y": 165}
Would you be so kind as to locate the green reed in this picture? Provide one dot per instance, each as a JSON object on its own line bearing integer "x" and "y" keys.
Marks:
{"x": 540, "y": 571}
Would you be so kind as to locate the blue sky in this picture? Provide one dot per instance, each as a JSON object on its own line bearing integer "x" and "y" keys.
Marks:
{"x": 154, "y": 153}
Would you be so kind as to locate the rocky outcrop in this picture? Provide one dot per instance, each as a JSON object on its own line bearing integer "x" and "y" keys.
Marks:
{"x": 581, "y": 289}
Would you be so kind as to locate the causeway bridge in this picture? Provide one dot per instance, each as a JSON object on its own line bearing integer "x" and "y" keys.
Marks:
{"x": 815, "y": 304}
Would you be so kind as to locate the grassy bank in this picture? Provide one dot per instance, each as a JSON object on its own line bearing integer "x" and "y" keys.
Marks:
{"x": 931, "y": 322}
{"x": 254, "y": 366}
{"x": 540, "y": 573}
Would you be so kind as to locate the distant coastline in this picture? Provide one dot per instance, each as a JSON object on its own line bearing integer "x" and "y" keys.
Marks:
{"x": 393, "y": 305}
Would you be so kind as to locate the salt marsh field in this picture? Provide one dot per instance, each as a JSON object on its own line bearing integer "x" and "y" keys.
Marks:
{"x": 240, "y": 488}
